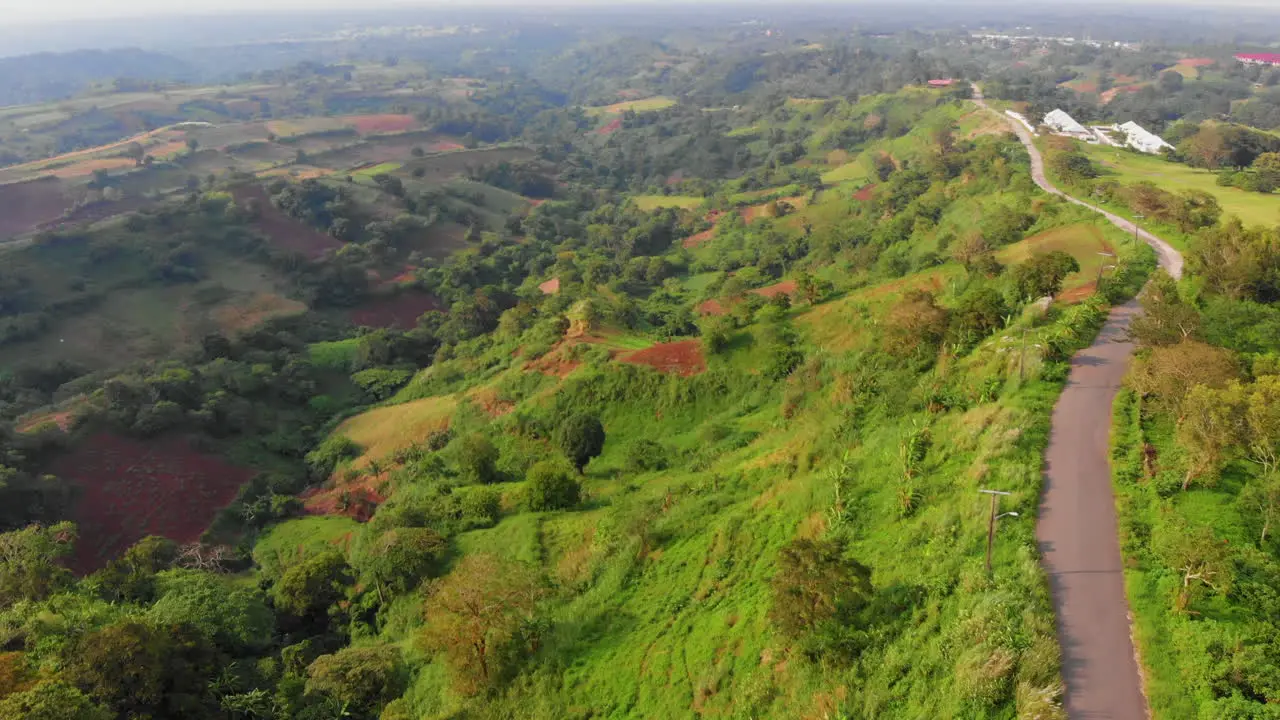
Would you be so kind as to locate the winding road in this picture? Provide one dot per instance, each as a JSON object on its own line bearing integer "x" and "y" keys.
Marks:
{"x": 1076, "y": 530}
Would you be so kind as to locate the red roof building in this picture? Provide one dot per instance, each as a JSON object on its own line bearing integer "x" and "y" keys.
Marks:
{"x": 946, "y": 82}
{"x": 1272, "y": 59}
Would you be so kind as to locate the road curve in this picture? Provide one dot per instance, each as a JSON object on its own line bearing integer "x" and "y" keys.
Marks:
{"x": 1076, "y": 529}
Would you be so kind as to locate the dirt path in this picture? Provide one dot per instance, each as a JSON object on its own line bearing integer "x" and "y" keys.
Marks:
{"x": 1077, "y": 524}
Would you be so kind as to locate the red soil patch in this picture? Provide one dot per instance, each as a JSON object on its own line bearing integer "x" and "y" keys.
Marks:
{"x": 712, "y": 307}
{"x": 26, "y": 206}
{"x": 64, "y": 421}
{"x": 703, "y": 237}
{"x": 1111, "y": 94}
{"x": 493, "y": 405}
{"x": 357, "y": 499}
{"x": 864, "y": 193}
{"x": 611, "y": 128}
{"x": 445, "y": 147}
{"x": 786, "y": 287}
{"x": 370, "y": 124}
{"x": 400, "y": 311}
{"x": 555, "y": 363}
{"x": 550, "y": 287}
{"x": 1075, "y": 295}
{"x": 1197, "y": 62}
{"x": 131, "y": 489}
{"x": 254, "y": 311}
{"x": 282, "y": 230}
{"x": 683, "y": 357}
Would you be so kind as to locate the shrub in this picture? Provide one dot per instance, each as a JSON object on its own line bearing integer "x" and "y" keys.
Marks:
{"x": 646, "y": 455}
{"x": 334, "y": 450}
{"x": 551, "y": 487}
{"x": 478, "y": 459}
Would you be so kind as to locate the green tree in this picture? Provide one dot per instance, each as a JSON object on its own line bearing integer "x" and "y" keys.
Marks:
{"x": 1211, "y": 424}
{"x": 52, "y": 700}
{"x": 1043, "y": 275}
{"x": 29, "y": 562}
{"x": 307, "y": 590}
{"x": 1167, "y": 373}
{"x": 399, "y": 560}
{"x": 581, "y": 437}
{"x": 142, "y": 671}
{"x": 1203, "y": 561}
{"x": 1166, "y": 318}
{"x": 235, "y": 618}
{"x": 366, "y": 679}
{"x": 815, "y": 585}
{"x": 131, "y": 577}
{"x": 475, "y": 613}
{"x": 478, "y": 459}
{"x": 551, "y": 487}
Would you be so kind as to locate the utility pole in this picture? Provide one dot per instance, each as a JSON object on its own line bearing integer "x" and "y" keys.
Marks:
{"x": 991, "y": 524}
{"x": 1137, "y": 224}
{"x": 1103, "y": 268}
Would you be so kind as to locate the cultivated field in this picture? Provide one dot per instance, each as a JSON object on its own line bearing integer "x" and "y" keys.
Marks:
{"x": 652, "y": 104}
{"x": 131, "y": 489}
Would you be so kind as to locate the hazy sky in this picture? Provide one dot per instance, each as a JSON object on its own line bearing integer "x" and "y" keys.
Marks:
{"x": 28, "y": 11}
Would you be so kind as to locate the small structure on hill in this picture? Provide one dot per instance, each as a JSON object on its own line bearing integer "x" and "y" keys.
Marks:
{"x": 1063, "y": 124}
{"x": 1272, "y": 59}
{"x": 942, "y": 82}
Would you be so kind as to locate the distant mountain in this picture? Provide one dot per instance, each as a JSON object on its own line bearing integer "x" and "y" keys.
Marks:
{"x": 54, "y": 76}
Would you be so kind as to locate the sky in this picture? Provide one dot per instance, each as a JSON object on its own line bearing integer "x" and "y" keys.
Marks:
{"x": 49, "y": 11}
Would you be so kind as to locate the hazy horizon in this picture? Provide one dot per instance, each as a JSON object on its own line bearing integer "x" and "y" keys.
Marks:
{"x": 53, "y": 12}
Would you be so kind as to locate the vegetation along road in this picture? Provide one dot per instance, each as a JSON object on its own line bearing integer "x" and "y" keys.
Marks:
{"x": 1077, "y": 525}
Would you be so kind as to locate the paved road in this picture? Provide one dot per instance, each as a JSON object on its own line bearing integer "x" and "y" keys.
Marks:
{"x": 1077, "y": 525}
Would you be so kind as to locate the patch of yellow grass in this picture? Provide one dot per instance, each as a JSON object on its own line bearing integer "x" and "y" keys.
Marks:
{"x": 384, "y": 430}
{"x": 652, "y": 104}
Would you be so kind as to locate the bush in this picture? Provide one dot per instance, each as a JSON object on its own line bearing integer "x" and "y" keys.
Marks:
{"x": 334, "y": 450}
{"x": 646, "y": 455}
{"x": 478, "y": 459}
{"x": 551, "y": 487}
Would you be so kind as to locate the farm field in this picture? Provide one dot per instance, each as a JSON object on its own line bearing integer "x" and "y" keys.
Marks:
{"x": 652, "y": 104}
{"x": 1085, "y": 242}
{"x": 1125, "y": 166}
{"x": 400, "y": 310}
{"x": 131, "y": 489}
{"x": 657, "y": 202}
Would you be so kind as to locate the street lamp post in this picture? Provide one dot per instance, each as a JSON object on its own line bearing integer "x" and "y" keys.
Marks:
{"x": 991, "y": 524}
{"x": 1103, "y": 268}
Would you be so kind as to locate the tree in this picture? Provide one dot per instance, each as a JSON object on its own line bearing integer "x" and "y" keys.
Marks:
{"x": 475, "y": 613}
{"x": 131, "y": 577}
{"x": 400, "y": 559}
{"x": 816, "y": 585}
{"x": 1043, "y": 275}
{"x": 193, "y": 145}
{"x": 1202, "y": 559}
{"x": 1170, "y": 82}
{"x": 980, "y": 312}
{"x": 140, "y": 670}
{"x": 1209, "y": 427}
{"x": 235, "y": 618}
{"x": 29, "y": 562}
{"x": 581, "y": 437}
{"x": 1262, "y": 418}
{"x": 310, "y": 588}
{"x": 1169, "y": 372}
{"x": 478, "y": 459}
{"x": 364, "y": 678}
{"x": 551, "y": 487}
{"x": 135, "y": 152}
{"x": 52, "y": 700}
{"x": 1073, "y": 166}
{"x": 1166, "y": 318}
{"x": 1263, "y": 494}
{"x": 1207, "y": 148}
{"x": 1238, "y": 262}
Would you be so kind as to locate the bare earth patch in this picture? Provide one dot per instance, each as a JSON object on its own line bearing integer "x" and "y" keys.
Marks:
{"x": 683, "y": 357}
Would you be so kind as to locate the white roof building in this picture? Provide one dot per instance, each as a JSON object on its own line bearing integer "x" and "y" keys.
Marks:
{"x": 1063, "y": 123}
{"x": 1143, "y": 141}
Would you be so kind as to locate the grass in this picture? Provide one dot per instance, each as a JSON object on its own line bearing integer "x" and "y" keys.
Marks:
{"x": 855, "y": 171}
{"x": 337, "y": 355}
{"x": 653, "y": 104}
{"x": 384, "y": 430}
{"x": 656, "y": 202}
{"x": 385, "y": 168}
{"x": 1130, "y": 167}
{"x": 1083, "y": 241}
{"x": 294, "y": 539}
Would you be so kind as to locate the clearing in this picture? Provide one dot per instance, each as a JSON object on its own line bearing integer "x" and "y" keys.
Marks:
{"x": 131, "y": 489}
{"x": 1131, "y": 167}
{"x": 1085, "y": 242}
{"x": 656, "y": 202}
{"x": 683, "y": 357}
{"x": 400, "y": 311}
{"x": 652, "y": 104}
{"x": 282, "y": 230}
{"x": 384, "y": 430}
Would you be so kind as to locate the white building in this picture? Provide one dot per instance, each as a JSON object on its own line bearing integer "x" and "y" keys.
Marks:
{"x": 1143, "y": 141}
{"x": 1063, "y": 124}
